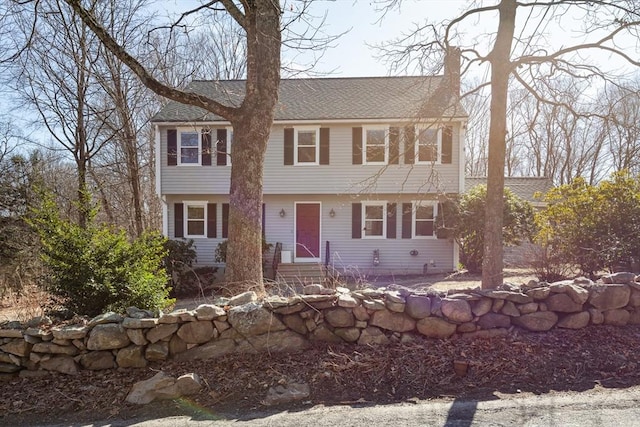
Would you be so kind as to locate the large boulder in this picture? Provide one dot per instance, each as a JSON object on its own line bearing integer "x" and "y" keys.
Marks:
{"x": 62, "y": 364}
{"x": 161, "y": 331}
{"x": 339, "y": 317}
{"x": 537, "y": 322}
{"x": 162, "y": 386}
{"x": 575, "y": 320}
{"x": 563, "y": 303}
{"x": 418, "y": 306}
{"x": 621, "y": 277}
{"x": 131, "y": 357}
{"x": 197, "y": 332}
{"x": 392, "y": 321}
{"x": 457, "y": 310}
{"x": 494, "y": 320}
{"x": 616, "y": 317}
{"x": 434, "y": 327}
{"x": 210, "y": 350}
{"x": 97, "y": 360}
{"x": 372, "y": 335}
{"x": 252, "y": 319}
{"x": 609, "y": 297}
{"x": 108, "y": 336}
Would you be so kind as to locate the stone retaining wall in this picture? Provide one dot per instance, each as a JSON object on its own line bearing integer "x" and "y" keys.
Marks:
{"x": 369, "y": 316}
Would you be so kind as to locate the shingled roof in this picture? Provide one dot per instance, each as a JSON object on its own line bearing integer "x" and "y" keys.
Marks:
{"x": 332, "y": 99}
{"x": 524, "y": 187}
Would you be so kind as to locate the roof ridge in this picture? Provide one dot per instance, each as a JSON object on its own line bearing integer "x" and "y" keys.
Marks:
{"x": 321, "y": 78}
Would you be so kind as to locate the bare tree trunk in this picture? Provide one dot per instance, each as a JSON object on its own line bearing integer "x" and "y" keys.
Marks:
{"x": 492, "y": 263}
{"x": 252, "y": 127}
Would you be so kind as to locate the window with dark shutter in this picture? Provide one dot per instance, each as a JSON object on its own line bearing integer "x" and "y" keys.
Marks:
{"x": 409, "y": 145}
{"x": 212, "y": 220}
{"x": 225, "y": 220}
{"x": 391, "y": 220}
{"x": 356, "y": 221}
{"x": 324, "y": 146}
{"x": 394, "y": 145}
{"x": 356, "y": 146}
{"x": 178, "y": 216}
{"x": 447, "y": 145}
{"x": 288, "y": 146}
{"x": 221, "y": 147}
{"x": 206, "y": 147}
{"x": 264, "y": 219}
{"x": 172, "y": 147}
{"x": 407, "y": 218}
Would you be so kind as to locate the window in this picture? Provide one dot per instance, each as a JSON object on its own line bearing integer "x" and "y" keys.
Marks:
{"x": 428, "y": 145}
{"x": 374, "y": 218}
{"x": 195, "y": 219}
{"x": 306, "y": 146}
{"x": 189, "y": 147}
{"x": 376, "y": 146}
{"x": 424, "y": 219}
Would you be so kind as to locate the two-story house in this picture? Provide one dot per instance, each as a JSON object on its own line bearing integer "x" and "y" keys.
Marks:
{"x": 355, "y": 170}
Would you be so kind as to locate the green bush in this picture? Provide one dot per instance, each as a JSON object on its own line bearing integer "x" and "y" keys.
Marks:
{"x": 463, "y": 219}
{"x": 592, "y": 227}
{"x": 95, "y": 269}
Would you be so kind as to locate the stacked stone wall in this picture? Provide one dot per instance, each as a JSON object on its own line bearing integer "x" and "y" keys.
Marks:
{"x": 361, "y": 317}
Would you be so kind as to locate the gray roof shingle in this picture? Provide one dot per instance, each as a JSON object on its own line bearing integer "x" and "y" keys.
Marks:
{"x": 524, "y": 187}
{"x": 331, "y": 99}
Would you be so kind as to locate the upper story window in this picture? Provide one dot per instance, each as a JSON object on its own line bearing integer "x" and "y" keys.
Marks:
{"x": 374, "y": 219}
{"x": 424, "y": 219}
{"x": 195, "y": 219}
{"x": 376, "y": 146}
{"x": 307, "y": 147}
{"x": 428, "y": 145}
{"x": 189, "y": 147}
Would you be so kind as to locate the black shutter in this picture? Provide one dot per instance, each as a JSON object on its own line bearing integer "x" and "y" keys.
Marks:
{"x": 409, "y": 145}
{"x": 391, "y": 220}
{"x": 221, "y": 147}
{"x": 407, "y": 217}
{"x": 225, "y": 220}
{"x": 324, "y": 146}
{"x": 172, "y": 147}
{"x": 212, "y": 217}
{"x": 394, "y": 145}
{"x": 356, "y": 221}
{"x": 357, "y": 146}
{"x": 444, "y": 219}
{"x": 288, "y": 146}
{"x": 447, "y": 145}
{"x": 178, "y": 215}
{"x": 206, "y": 147}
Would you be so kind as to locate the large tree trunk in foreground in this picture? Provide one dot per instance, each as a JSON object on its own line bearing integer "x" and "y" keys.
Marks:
{"x": 499, "y": 58}
{"x": 252, "y": 127}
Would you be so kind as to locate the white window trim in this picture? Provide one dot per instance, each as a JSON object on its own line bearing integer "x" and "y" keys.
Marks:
{"x": 297, "y": 129}
{"x": 386, "y": 145}
{"x": 414, "y": 210}
{"x": 384, "y": 219}
{"x": 229, "y": 143}
{"x": 185, "y": 216}
{"x": 438, "y": 146}
{"x": 179, "y": 132}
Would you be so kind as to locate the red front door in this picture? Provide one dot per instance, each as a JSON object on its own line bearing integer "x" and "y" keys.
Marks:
{"x": 308, "y": 230}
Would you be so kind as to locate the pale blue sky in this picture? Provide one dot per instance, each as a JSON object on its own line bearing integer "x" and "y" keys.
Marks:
{"x": 367, "y": 25}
